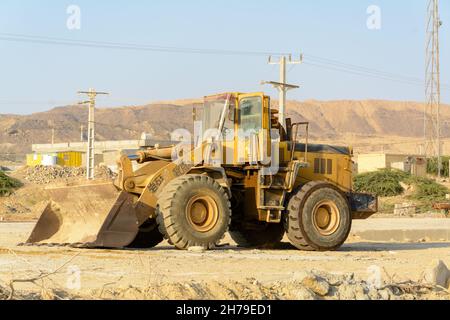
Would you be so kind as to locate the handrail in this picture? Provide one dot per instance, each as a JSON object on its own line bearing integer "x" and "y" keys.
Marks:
{"x": 294, "y": 134}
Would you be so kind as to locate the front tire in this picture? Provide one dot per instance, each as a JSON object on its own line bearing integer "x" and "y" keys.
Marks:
{"x": 194, "y": 211}
{"x": 319, "y": 218}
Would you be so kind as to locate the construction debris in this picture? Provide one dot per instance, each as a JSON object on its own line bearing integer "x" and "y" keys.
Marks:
{"x": 405, "y": 209}
{"x": 311, "y": 281}
{"x": 309, "y": 288}
{"x": 45, "y": 175}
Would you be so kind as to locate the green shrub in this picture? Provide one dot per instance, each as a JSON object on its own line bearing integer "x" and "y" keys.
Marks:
{"x": 8, "y": 184}
{"x": 427, "y": 189}
{"x": 386, "y": 183}
{"x": 432, "y": 166}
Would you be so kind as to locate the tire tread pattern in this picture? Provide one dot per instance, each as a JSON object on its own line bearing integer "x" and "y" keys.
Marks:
{"x": 292, "y": 220}
{"x": 165, "y": 216}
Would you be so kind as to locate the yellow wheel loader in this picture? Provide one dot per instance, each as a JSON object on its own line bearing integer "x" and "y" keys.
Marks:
{"x": 245, "y": 174}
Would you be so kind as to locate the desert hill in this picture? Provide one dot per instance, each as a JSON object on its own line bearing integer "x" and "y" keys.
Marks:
{"x": 369, "y": 125}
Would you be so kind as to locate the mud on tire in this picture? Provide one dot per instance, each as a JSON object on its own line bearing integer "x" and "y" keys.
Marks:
{"x": 319, "y": 218}
{"x": 194, "y": 210}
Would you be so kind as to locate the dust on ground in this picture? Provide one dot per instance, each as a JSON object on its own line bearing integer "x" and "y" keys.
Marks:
{"x": 226, "y": 273}
{"x": 360, "y": 270}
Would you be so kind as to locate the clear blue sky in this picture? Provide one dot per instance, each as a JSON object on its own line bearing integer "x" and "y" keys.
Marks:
{"x": 36, "y": 76}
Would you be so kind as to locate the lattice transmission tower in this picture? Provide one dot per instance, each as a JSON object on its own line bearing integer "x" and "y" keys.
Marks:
{"x": 433, "y": 147}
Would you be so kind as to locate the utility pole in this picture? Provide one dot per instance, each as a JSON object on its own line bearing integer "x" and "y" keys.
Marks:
{"x": 282, "y": 86}
{"x": 53, "y": 136}
{"x": 90, "y": 156}
{"x": 81, "y": 133}
{"x": 432, "y": 117}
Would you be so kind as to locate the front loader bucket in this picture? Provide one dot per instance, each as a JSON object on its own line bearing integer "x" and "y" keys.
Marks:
{"x": 94, "y": 216}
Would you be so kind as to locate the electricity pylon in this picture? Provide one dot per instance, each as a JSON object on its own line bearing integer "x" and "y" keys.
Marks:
{"x": 433, "y": 147}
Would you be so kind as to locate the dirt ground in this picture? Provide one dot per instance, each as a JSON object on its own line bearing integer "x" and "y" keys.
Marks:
{"x": 226, "y": 273}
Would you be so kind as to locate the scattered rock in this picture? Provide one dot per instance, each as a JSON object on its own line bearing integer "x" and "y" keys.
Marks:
{"x": 303, "y": 293}
{"x": 349, "y": 291}
{"x": 47, "y": 295}
{"x": 385, "y": 294}
{"x": 313, "y": 282}
{"x": 373, "y": 294}
{"x": 249, "y": 289}
{"x": 405, "y": 209}
{"x": 438, "y": 274}
{"x": 45, "y": 175}
{"x": 335, "y": 279}
{"x": 3, "y": 293}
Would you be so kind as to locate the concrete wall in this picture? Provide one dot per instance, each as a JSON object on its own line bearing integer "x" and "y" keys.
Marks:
{"x": 371, "y": 162}
{"x": 98, "y": 158}
{"x": 395, "y": 158}
{"x": 106, "y": 152}
{"x": 414, "y": 164}
{"x": 100, "y": 146}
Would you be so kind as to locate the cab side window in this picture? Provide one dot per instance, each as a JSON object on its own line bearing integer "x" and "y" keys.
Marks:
{"x": 250, "y": 115}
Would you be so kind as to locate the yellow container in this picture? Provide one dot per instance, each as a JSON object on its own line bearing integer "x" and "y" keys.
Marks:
{"x": 70, "y": 159}
{"x": 34, "y": 160}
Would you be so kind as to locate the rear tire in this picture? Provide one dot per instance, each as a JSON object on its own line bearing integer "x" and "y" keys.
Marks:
{"x": 266, "y": 236}
{"x": 148, "y": 236}
{"x": 319, "y": 218}
{"x": 194, "y": 211}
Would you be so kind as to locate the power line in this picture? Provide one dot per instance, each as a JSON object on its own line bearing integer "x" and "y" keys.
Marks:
{"x": 311, "y": 60}
{"x": 360, "y": 73}
{"x": 35, "y": 102}
{"x": 315, "y": 61}
{"x": 126, "y": 46}
{"x": 359, "y": 68}
{"x": 380, "y": 75}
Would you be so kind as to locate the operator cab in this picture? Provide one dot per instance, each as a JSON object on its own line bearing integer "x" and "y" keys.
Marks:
{"x": 243, "y": 122}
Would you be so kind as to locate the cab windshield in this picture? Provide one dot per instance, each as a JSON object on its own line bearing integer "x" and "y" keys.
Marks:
{"x": 212, "y": 112}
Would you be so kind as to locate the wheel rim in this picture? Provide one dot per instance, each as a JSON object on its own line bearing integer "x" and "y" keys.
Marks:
{"x": 202, "y": 213}
{"x": 326, "y": 218}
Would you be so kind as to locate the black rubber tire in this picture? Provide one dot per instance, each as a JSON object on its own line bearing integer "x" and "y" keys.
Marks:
{"x": 148, "y": 236}
{"x": 267, "y": 236}
{"x": 171, "y": 208}
{"x": 298, "y": 223}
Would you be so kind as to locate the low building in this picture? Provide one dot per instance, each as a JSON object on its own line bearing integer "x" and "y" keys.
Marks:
{"x": 414, "y": 164}
{"x": 63, "y": 159}
{"x": 106, "y": 152}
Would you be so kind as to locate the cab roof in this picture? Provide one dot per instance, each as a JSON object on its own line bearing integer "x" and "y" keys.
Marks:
{"x": 233, "y": 94}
